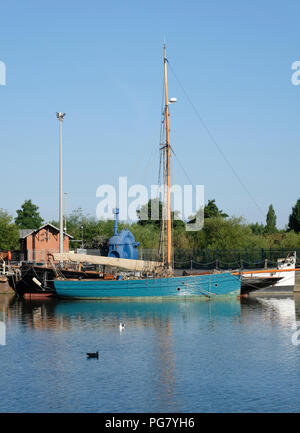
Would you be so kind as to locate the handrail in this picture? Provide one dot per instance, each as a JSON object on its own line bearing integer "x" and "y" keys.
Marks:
{"x": 265, "y": 271}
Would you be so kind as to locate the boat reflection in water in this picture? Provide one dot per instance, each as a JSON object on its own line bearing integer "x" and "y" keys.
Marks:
{"x": 172, "y": 356}
{"x": 63, "y": 314}
{"x": 54, "y": 313}
{"x": 297, "y": 306}
{"x": 152, "y": 331}
{"x": 279, "y": 310}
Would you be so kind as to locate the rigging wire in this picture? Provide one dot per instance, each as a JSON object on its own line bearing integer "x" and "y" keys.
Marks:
{"x": 215, "y": 142}
{"x": 161, "y": 135}
{"x": 143, "y": 169}
{"x": 182, "y": 167}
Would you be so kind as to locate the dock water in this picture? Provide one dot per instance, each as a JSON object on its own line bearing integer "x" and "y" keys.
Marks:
{"x": 192, "y": 356}
{"x": 5, "y": 288}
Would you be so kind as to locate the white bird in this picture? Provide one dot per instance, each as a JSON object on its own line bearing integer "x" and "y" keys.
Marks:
{"x": 122, "y": 326}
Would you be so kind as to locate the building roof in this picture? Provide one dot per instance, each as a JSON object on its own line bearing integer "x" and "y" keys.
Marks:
{"x": 23, "y": 233}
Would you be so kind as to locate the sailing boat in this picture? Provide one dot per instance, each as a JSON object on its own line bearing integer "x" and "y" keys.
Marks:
{"x": 146, "y": 278}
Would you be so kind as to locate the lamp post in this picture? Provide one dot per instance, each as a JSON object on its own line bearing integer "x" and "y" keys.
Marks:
{"x": 81, "y": 236}
{"x": 60, "y": 117}
{"x": 65, "y": 212}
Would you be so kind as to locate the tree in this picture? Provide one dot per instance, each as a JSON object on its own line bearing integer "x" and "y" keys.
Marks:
{"x": 257, "y": 229}
{"x": 151, "y": 214}
{"x": 85, "y": 230}
{"x": 9, "y": 233}
{"x": 147, "y": 235}
{"x": 212, "y": 210}
{"x": 28, "y": 216}
{"x": 271, "y": 221}
{"x": 218, "y": 233}
{"x": 294, "y": 219}
{"x": 221, "y": 233}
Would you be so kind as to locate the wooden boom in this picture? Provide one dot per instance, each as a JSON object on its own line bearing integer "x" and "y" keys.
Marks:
{"x": 129, "y": 264}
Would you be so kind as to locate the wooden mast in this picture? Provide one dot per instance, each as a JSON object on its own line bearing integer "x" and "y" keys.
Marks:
{"x": 168, "y": 156}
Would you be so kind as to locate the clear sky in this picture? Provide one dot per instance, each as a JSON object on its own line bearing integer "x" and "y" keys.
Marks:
{"x": 101, "y": 63}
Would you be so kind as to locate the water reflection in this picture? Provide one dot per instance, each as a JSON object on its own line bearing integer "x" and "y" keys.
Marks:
{"x": 297, "y": 305}
{"x": 37, "y": 313}
{"x": 172, "y": 356}
{"x": 162, "y": 318}
{"x": 53, "y": 313}
{"x": 276, "y": 310}
{"x": 57, "y": 314}
{"x": 5, "y": 302}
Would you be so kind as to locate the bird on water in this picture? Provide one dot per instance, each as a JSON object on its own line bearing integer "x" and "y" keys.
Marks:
{"x": 93, "y": 355}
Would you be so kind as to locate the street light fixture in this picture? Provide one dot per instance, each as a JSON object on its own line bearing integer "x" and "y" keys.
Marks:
{"x": 60, "y": 116}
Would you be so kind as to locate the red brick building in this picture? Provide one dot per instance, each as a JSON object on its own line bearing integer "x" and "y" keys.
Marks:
{"x": 36, "y": 244}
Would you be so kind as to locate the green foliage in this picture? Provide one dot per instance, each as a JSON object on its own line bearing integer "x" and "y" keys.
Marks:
{"x": 9, "y": 233}
{"x": 271, "y": 221}
{"x": 220, "y": 232}
{"x": 28, "y": 216}
{"x": 86, "y": 230}
{"x": 151, "y": 214}
{"x": 181, "y": 238}
{"x": 211, "y": 210}
{"x": 290, "y": 240}
{"x": 257, "y": 229}
{"x": 294, "y": 219}
{"x": 147, "y": 235}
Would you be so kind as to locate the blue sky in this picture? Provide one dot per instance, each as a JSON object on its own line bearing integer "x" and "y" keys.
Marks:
{"x": 101, "y": 63}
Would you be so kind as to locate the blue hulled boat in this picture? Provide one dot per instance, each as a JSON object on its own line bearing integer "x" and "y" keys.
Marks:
{"x": 211, "y": 285}
{"x": 148, "y": 279}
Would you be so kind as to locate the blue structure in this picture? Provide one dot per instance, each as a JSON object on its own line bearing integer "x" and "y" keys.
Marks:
{"x": 122, "y": 245}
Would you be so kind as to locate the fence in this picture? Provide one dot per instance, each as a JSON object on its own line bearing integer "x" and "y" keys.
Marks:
{"x": 196, "y": 259}
{"x": 223, "y": 259}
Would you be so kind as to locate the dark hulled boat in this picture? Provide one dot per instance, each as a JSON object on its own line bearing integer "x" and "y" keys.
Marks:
{"x": 38, "y": 281}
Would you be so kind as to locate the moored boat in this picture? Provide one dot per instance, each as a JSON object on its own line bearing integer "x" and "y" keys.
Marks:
{"x": 271, "y": 281}
{"x": 211, "y": 285}
{"x": 148, "y": 279}
{"x": 34, "y": 280}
